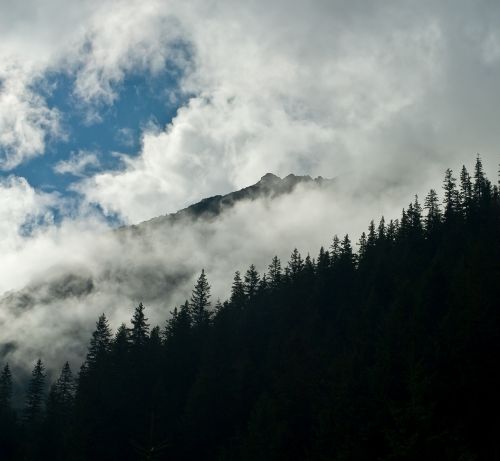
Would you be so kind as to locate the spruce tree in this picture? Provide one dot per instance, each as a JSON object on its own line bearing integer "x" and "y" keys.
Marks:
{"x": 433, "y": 217}
{"x": 482, "y": 186}
{"x": 296, "y": 263}
{"x": 381, "y": 229}
{"x": 451, "y": 198}
{"x": 237, "y": 291}
{"x": 275, "y": 274}
{"x": 251, "y": 283}
{"x": 100, "y": 343}
{"x": 323, "y": 264}
{"x": 34, "y": 395}
{"x": 139, "y": 332}
{"x": 363, "y": 244}
{"x": 466, "y": 191}
{"x": 62, "y": 394}
{"x": 335, "y": 250}
{"x": 371, "y": 238}
{"x": 5, "y": 388}
{"x": 200, "y": 301}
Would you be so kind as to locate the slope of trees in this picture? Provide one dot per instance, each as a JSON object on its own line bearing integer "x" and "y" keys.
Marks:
{"x": 389, "y": 352}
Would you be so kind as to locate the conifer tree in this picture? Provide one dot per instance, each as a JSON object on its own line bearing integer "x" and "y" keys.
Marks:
{"x": 433, "y": 217}
{"x": 346, "y": 253}
{"x": 34, "y": 395}
{"x": 466, "y": 191}
{"x": 121, "y": 341}
{"x": 237, "y": 291}
{"x": 371, "y": 238}
{"x": 179, "y": 323}
{"x": 251, "y": 284}
{"x": 200, "y": 301}
{"x": 392, "y": 229}
{"x": 155, "y": 338}
{"x": 363, "y": 244}
{"x": 415, "y": 215}
{"x": 5, "y": 388}
{"x": 275, "y": 274}
{"x": 323, "y": 263}
{"x": 139, "y": 332}
{"x": 481, "y": 186}
{"x": 451, "y": 198}
{"x": 264, "y": 283}
{"x": 309, "y": 267}
{"x": 296, "y": 263}
{"x": 335, "y": 250}
{"x": 62, "y": 394}
{"x": 381, "y": 229}
{"x": 100, "y": 343}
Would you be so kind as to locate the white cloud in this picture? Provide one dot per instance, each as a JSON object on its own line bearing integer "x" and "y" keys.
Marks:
{"x": 25, "y": 119}
{"x": 384, "y": 95}
{"x": 78, "y": 163}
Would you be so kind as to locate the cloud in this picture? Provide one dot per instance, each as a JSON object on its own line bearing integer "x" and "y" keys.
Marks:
{"x": 78, "y": 163}
{"x": 382, "y": 95}
{"x": 25, "y": 120}
{"x": 74, "y": 271}
{"x": 333, "y": 89}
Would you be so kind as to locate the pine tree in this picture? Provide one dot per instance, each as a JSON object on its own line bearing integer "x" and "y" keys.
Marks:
{"x": 139, "y": 332}
{"x": 363, "y": 244}
{"x": 100, "y": 343}
{"x": 251, "y": 284}
{"x": 392, "y": 229}
{"x": 5, "y": 389}
{"x": 155, "y": 341}
{"x": 264, "y": 283}
{"x": 62, "y": 394}
{"x": 346, "y": 253}
{"x": 296, "y": 263}
{"x": 178, "y": 324}
{"x": 335, "y": 250}
{"x": 381, "y": 229}
{"x": 451, "y": 198}
{"x": 433, "y": 217}
{"x": 415, "y": 214}
{"x": 237, "y": 291}
{"x": 34, "y": 395}
{"x": 323, "y": 261}
{"x": 200, "y": 301}
{"x": 309, "y": 267}
{"x": 482, "y": 187}
{"x": 372, "y": 235}
{"x": 121, "y": 341}
{"x": 466, "y": 191}
{"x": 275, "y": 274}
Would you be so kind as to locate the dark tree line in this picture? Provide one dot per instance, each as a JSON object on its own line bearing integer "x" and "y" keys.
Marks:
{"x": 389, "y": 352}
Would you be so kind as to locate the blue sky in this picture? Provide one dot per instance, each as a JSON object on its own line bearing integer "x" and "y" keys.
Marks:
{"x": 143, "y": 101}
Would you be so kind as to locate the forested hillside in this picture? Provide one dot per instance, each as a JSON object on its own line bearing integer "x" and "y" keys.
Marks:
{"x": 384, "y": 349}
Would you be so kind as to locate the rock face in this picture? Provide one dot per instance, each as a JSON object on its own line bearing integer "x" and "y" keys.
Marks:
{"x": 269, "y": 186}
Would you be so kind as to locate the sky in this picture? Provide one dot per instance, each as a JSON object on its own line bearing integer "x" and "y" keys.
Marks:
{"x": 113, "y": 112}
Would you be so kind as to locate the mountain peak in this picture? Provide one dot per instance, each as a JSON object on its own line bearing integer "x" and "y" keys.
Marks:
{"x": 270, "y": 177}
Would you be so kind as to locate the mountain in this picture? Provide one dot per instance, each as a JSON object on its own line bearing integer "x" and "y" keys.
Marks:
{"x": 388, "y": 353}
{"x": 112, "y": 270}
{"x": 268, "y": 187}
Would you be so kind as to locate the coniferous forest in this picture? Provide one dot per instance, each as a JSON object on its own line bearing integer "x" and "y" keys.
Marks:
{"x": 383, "y": 349}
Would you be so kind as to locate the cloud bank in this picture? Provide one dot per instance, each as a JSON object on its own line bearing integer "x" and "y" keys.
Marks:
{"x": 383, "y": 95}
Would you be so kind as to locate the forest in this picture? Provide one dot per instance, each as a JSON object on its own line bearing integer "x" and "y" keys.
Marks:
{"x": 386, "y": 348}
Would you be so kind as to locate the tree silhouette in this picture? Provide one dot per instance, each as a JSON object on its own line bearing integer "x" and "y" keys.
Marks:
{"x": 252, "y": 280}
{"x": 5, "y": 388}
{"x": 34, "y": 395}
{"x": 140, "y": 328}
{"x": 200, "y": 301}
